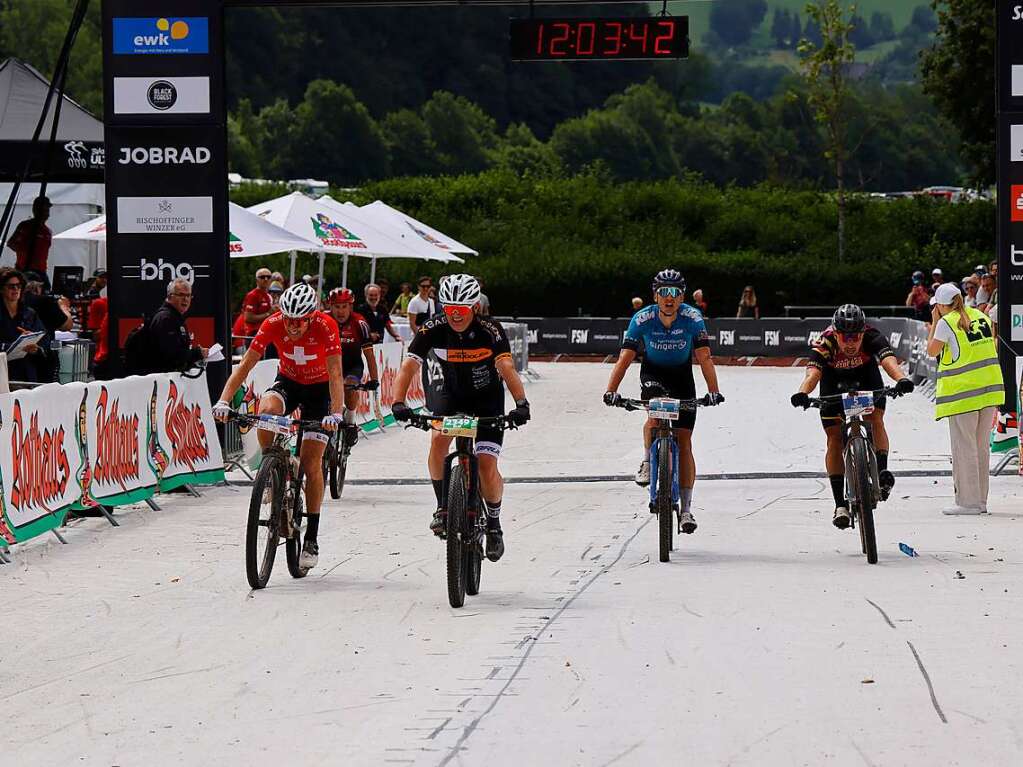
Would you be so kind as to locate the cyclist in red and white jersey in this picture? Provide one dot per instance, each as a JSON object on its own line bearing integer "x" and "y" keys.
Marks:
{"x": 356, "y": 346}
{"x": 310, "y": 377}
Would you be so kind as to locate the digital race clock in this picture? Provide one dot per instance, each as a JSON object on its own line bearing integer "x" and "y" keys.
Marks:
{"x": 587, "y": 39}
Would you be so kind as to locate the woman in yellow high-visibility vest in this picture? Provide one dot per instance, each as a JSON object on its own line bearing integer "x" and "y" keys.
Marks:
{"x": 969, "y": 391}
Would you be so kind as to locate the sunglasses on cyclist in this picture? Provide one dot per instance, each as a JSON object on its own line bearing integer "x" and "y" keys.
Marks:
{"x": 668, "y": 292}
{"x": 296, "y": 322}
{"x": 848, "y": 338}
{"x": 456, "y": 312}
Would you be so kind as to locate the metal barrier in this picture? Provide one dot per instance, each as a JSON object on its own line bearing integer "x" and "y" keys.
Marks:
{"x": 74, "y": 359}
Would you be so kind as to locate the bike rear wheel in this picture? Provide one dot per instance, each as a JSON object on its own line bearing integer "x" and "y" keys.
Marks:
{"x": 864, "y": 499}
{"x": 664, "y": 503}
{"x": 337, "y": 464}
{"x": 262, "y": 533}
{"x": 457, "y": 538}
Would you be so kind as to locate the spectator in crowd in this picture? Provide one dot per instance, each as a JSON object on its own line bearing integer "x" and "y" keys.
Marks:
{"x": 385, "y": 288}
{"x": 32, "y": 238}
{"x": 99, "y": 284}
{"x": 937, "y": 279}
{"x": 987, "y": 296}
{"x": 699, "y": 302}
{"x": 257, "y": 304}
{"x": 423, "y": 306}
{"x": 748, "y": 308}
{"x": 919, "y": 298}
{"x": 374, "y": 310}
{"x": 637, "y": 304}
{"x": 99, "y": 325}
{"x": 172, "y": 344}
{"x": 401, "y": 302}
{"x": 17, "y": 318}
{"x": 979, "y": 270}
{"x": 279, "y": 278}
{"x": 484, "y": 310}
{"x": 970, "y": 287}
{"x": 992, "y": 268}
{"x": 969, "y": 391}
{"x": 55, "y": 314}
{"x": 238, "y": 334}
{"x": 276, "y": 289}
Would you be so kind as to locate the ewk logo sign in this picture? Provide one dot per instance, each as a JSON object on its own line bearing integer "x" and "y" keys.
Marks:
{"x": 772, "y": 337}
{"x": 580, "y": 336}
{"x": 727, "y": 337}
{"x": 167, "y": 95}
{"x": 155, "y": 155}
{"x": 165, "y": 271}
{"x": 141, "y": 36}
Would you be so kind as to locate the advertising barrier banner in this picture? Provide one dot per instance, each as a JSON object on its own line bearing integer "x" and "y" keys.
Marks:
{"x": 67, "y": 446}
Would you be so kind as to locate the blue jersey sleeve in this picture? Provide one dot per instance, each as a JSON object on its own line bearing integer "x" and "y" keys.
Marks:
{"x": 634, "y": 335}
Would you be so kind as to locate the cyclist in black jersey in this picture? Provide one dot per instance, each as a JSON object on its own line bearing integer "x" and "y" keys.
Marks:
{"x": 848, "y": 357}
{"x": 476, "y": 364}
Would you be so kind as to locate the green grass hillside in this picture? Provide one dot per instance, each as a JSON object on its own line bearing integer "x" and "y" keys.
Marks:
{"x": 698, "y": 11}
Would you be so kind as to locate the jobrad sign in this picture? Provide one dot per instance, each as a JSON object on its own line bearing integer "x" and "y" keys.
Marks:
{"x": 1009, "y": 73}
{"x": 166, "y": 173}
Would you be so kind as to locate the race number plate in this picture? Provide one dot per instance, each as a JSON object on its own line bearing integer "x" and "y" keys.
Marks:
{"x": 664, "y": 408}
{"x": 459, "y": 426}
{"x": 275, "y": 423}
{"x": 858, "y": 403}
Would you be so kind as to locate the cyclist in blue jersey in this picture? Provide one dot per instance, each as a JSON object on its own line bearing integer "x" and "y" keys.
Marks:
{"x": 671, "y": 334}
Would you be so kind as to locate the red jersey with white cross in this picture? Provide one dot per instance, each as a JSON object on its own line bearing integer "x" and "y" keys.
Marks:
{"x": 303, "y": 360}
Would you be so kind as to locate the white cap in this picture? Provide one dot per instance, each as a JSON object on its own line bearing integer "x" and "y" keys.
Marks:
{"x": 936, "y": 270}
{"x": 945, "y": 294}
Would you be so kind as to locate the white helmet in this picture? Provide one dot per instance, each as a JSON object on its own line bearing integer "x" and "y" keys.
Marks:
{"x": 299, "y": 301}
{"x": 459, "y": 290}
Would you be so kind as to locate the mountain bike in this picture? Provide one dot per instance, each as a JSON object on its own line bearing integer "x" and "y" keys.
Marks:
{"x": 275, "y": 507}
{"x": 664, "y": 467}
{"x": 335, "y": 457}
{"x": 862, "y": 486}
{"x": 467, "y": 510}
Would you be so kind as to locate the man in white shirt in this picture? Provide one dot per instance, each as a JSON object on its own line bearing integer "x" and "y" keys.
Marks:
{"x": 421, "y": 307}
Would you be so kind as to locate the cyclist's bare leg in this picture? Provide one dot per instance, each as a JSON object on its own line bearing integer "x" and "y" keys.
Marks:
{"x": 880, "y": 433}
{"x": 440, "y": 446}
{"x": 833, "y": 460}
{"x": 686, "y": 461}
{"x": 312, "y": 467}
{"x": 269, "y": 404}
{"x": 648, "y": 435}
{"x": 491, "y": 480}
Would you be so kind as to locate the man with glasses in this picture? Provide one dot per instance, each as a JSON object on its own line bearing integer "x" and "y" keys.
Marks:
{"x": 376, "y": 314}
{"x": 257, "y": 304}
{"x": 421, "y": 307}
{"x": 848, "y": 357}
{"x": 171, "y": 345}
{"x": 475, "y": 356}
{"x": 309, "y": 377}
{"x": 671, "y": 334}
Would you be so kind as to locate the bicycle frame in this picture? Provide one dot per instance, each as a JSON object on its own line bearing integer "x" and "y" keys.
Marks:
{"x": 465, "y": 455}
{"x": 856, "y": 428}
{"x": 661, "y": 432}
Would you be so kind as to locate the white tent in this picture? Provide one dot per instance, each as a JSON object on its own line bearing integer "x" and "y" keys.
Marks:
{"x": 333, "y": 228}
{"x": 250, "y": 235}
{"x": 385, "y": 222}
{"x": 423, "y": 231}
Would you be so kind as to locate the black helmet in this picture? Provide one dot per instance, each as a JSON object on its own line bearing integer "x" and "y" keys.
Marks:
{"x": 669, "y": 278}
{"x": 849, "y": 318}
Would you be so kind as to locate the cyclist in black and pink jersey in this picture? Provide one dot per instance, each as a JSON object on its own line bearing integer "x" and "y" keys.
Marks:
{"x": 356, "y": 346}
{"x": 309, "y": 377}
{"x": 849, "y": 357}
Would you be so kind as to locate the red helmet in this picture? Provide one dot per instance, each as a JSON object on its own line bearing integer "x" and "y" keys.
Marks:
{"x": 341, "y": 296}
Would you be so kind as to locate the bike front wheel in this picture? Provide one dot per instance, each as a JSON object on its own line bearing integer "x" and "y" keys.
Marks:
{"x": 262, "y": 533}
{"x": 458, "y": 538}
{"x": 664, "y": 503}
{"x": 864, "y": 499}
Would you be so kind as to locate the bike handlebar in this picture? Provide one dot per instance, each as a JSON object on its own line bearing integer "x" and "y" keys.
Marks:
{"x": 255, "y": 420}
{"x": 683, "y": 404}
{"x": 887, "y": 391}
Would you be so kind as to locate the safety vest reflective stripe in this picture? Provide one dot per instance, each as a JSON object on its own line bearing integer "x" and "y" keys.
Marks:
{"x": 992, "y": 389}
{"x": 974, "y": 380}
{"x": 942, "y": 373}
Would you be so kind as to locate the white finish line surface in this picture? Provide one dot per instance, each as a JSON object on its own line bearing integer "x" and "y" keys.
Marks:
{"x": 767, "y": 640}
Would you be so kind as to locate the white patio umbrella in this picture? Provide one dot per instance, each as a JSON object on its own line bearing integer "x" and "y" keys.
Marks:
{"x": 424, "y": 231}
{"x": 332, "y": 228}
{"x": 250, "y": 235}
{"x": 386, "y": 222}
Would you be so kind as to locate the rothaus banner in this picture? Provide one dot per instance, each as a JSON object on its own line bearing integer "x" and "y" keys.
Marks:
{"x": 166, "y": 164}
{"x": 67, "y": 446}
{"x": 1009, "y": 78}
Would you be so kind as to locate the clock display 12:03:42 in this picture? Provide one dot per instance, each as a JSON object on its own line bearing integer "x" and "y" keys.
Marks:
{"x": 587, "y": 38}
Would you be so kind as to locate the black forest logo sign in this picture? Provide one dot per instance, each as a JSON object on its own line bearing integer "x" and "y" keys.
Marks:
{"x": 162, "y": 95}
